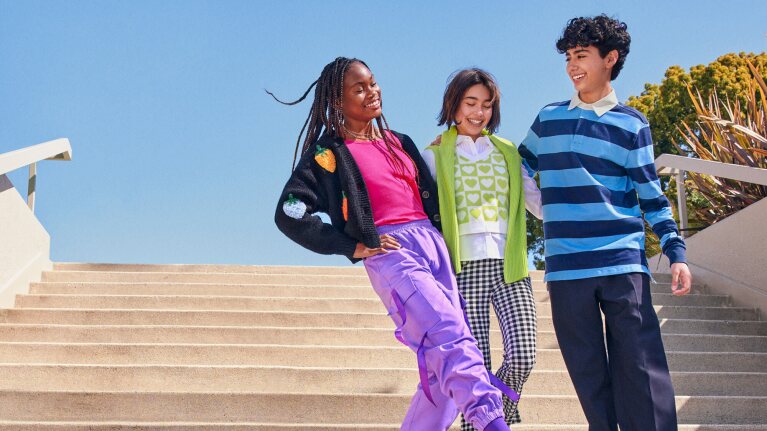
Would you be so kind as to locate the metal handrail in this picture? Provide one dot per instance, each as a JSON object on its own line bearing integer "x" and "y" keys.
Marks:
{"x": 669, "y": 164}
{"x": 58, "y": 149}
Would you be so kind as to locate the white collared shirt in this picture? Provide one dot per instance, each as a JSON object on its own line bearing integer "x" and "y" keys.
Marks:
{"x": 600, "y": 107}
{"x": 487, "y": 245}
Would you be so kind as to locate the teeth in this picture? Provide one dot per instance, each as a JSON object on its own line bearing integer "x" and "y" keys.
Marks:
{"x": 476, "y": 122}
{"x": 579, "y": 76}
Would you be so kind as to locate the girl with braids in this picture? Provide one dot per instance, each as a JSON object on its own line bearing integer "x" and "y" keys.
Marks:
{"x": 483, "y": 194}
{"x": 367, "y": 179}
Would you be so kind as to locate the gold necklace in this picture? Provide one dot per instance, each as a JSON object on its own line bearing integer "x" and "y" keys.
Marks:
{"x": 369, "y": 136}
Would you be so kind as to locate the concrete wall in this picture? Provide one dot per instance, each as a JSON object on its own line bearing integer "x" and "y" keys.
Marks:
{"x": 24, "y": 245}
{"x": 730, "y": 257}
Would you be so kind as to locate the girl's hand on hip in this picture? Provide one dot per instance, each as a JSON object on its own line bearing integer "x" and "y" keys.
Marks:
{"x": 387, "y": 243}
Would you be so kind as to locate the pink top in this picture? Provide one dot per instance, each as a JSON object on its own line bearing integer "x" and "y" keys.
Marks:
{"x": 393, "y": 193}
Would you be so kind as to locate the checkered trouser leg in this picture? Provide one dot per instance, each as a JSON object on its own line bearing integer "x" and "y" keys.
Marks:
{"x": 481, "y": 283}
{"x": 515, "y": 307}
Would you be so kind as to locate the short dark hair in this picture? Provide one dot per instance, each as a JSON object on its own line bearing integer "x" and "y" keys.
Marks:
{"x": 461, "y": 81}
{"x": 602, "y": 32}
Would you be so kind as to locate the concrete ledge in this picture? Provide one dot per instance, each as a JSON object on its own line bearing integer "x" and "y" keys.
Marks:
{"x": 729, "y": 258}
{"x": 26, "y": 245}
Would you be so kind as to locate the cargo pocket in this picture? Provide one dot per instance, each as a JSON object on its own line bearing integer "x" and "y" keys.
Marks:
{"x": 418, "y": 317}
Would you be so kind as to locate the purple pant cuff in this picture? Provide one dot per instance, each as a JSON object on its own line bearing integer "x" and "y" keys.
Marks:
{"x": 498, "y": 424}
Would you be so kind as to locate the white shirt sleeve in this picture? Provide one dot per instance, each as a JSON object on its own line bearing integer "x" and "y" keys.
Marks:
{"x": 532, "y": 195}
{"x": 431, "y": 162}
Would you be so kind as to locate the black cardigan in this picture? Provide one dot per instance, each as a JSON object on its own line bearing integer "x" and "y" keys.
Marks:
{"x": 314, "y": 189}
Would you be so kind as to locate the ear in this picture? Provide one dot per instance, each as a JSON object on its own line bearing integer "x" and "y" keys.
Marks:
{"x": 611, "y": 58}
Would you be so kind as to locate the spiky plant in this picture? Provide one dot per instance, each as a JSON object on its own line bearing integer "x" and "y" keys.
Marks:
{"x": 726, "y": 132}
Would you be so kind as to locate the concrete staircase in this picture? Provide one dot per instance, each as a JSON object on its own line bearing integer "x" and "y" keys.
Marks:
{"x": 215, "y": 347}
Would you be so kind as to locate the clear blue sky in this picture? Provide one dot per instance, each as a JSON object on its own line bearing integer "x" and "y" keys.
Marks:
{"x": 179, "y": 156}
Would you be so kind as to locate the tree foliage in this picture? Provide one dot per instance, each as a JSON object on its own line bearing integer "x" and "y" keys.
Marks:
{"x": 535, "y": 241}
{"x": 667, "y": 105}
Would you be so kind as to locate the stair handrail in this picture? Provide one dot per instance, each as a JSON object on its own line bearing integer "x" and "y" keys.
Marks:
{"x": 669, "y": 164}
{"x": 57, "y": 149}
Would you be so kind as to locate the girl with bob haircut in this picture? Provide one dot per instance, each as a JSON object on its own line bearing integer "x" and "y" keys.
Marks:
{"x": 483, "y": 194}
{"x": 382, "y": 211}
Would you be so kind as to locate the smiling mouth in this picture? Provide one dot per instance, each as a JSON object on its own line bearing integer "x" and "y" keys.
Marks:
{"x": 374, "y": 104}
{"x": 475, "y": 122}
{"x": 578, "y": 77}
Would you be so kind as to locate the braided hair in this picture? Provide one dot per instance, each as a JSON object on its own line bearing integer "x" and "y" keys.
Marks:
{"x": 326, "y": 115}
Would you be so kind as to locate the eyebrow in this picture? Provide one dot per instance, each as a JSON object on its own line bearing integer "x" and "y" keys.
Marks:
{"x": 372, "y": 78}
{"x": 477, "y": 99}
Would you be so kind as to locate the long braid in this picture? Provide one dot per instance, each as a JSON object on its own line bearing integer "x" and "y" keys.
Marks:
{"x": 326, "y": 113}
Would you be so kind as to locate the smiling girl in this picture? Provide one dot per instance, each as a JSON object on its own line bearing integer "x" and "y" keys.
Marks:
{"x": 483, "y": 194}
{"x": 368, "y": 179}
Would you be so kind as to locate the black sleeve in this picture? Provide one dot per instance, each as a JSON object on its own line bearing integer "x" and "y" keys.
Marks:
{"x": 295, "y": 216}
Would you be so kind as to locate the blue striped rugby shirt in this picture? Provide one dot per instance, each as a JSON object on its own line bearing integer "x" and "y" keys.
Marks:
{"x": 597, "y": 176}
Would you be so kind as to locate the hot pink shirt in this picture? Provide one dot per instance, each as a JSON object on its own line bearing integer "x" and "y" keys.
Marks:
{"x": 393, "y": 192}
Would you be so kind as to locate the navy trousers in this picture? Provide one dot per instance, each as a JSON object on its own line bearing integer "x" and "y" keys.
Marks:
{"x": 621, "y": 376}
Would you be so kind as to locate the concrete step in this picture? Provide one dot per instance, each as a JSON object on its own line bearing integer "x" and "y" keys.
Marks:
{"x": 313, "y": 356}
{"x": 225, "y": 379}
{"x": 135, "y": 302}
{"x": 256, "y": 290}
{"x": 214, "y": 292}
{"x": 291, "y": 318}
{"x": 322, "y": 304}
{"x": 358, "y": 269}
{"x": 204, "y": 277}
{"x": 287, "y": 335}
{"x": 213, "y": 268}
{"x": 306, "y": 408}
{"x": 383, "y": 337}
{"x": 260, "y": 290}
{"x": 228, "y": 426}
{"x": 715, "y": 343}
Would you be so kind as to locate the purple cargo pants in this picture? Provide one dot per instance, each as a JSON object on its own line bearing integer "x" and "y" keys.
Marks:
{"x": 418, "y": 288}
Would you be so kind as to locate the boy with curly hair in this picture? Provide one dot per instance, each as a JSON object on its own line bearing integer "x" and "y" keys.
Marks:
{"x": 595, "y": 160}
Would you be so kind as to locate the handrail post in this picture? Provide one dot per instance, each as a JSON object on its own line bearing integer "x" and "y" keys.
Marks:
{"x": 31, "y": 186}
{"x": 681, "y": 202}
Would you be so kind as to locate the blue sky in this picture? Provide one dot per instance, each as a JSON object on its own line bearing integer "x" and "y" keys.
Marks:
{"x": 179, "y": 155}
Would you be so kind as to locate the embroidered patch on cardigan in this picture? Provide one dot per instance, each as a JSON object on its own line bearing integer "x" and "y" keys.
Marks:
{"x": 345, "y": 206}
{"x": 325, "y": 158}
{"x": 294, "y": 208}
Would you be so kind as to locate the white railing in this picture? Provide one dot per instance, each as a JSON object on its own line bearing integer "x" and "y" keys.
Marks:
{"x": 668, "y": 164}
{"x": 58, "y": 149}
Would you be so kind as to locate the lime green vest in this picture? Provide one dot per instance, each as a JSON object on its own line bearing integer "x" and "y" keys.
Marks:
{"x": 515, "y": 253}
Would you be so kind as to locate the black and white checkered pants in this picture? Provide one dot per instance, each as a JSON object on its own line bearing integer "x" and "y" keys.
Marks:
{"x": 481, "y": 283}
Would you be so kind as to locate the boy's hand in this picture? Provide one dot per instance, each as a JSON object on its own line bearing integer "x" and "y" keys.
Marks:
{"x": 681, "y": 279}
{"x": 387, "y": 243}
{"x": 437, "y": 141}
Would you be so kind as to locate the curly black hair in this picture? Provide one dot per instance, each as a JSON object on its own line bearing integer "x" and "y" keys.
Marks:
{"x": 603, "y": 32}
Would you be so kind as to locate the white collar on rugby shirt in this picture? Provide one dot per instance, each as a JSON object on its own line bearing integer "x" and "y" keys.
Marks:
{"x": 599, "y": 107}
